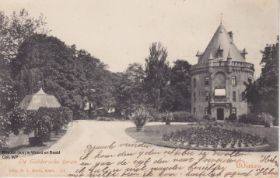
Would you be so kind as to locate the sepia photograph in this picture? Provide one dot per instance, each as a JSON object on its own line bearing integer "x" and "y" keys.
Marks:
{"x": 139, "y": 88}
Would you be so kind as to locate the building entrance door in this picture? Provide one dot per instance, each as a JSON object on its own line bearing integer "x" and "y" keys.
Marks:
{"x": 220, "y": 114}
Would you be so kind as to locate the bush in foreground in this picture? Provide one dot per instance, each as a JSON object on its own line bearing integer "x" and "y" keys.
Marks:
{"x": 140, "y": 117}
{"x": 177, "y": 116}
{"x": 257, "y": 119}
{"x": 17, "y": 118}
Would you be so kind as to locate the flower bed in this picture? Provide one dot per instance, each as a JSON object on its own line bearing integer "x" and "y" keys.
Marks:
{"x": 212, "y": 138}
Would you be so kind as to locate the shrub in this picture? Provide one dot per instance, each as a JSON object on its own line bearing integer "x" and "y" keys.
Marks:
{"x": 140, "y": 116}
{"x": 81, "y": 115}
{"x": 44, "y": 120}
{"x": 30, "y": 121}
{"x": 67, "y": 115}
{"x": 232, "y": 118}
{"x": 178, "y": 116}
{"x": 182, "y": 116}
{"x": 261, "y": 119}
{"x": 102, "y": 118}
{"x": 44, "y": 127}
{"x": 57, "y": 119}
{"x": 17, "y": 118}
{"x": 5, "y": 130}
{"x": 165, "y": 117}
{"x": 206, "y": 117}
{"x": 40, "y": 122}
{"x": 154, "y": 114}
{"x": 249, "y": 119}
{"x": 266, "y": 118}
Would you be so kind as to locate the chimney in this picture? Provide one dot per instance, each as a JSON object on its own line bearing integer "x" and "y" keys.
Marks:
{"x": 230, "y": 35}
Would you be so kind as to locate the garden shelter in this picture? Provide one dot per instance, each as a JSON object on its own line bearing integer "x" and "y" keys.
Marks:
{"x": 39, "y": 99}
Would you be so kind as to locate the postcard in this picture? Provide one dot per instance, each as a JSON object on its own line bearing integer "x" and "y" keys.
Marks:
{"x": 139, "y": 88}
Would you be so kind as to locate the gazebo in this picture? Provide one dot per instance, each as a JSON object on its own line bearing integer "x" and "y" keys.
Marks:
{"x": 39, "y": 99}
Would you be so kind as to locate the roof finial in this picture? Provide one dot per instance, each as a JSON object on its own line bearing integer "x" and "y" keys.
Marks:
{"x": 221, "y": 18}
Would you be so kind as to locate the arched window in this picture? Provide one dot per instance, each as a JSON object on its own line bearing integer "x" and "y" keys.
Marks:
{"x": 233, "y": 80}
{"x": 219, "y": 80}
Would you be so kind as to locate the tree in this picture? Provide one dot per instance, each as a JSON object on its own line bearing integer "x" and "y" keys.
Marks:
{"x": 268, "y": 82}
{"x": 180, "y": 84}
{"x": 252, "y": 95}
{"x": 15, "y": 29}
{"x": 263, "y": 93}
{"x": 8, "y": 94}
{"x": 156, "y": 75}
{"x": 130, "y": 89}
{"x": 73, "y": 76}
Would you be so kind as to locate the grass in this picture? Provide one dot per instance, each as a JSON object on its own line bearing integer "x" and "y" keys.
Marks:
{"x": 153, "y": 133}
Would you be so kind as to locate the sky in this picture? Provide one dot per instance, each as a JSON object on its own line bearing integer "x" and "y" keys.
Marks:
{"x": 120, "y": 32}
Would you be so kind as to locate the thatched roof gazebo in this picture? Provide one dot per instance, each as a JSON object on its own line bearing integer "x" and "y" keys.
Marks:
{"x": 38, "y": 100}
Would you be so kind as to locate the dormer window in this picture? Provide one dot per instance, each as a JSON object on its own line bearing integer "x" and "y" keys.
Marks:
{"x": 220, "y": 52}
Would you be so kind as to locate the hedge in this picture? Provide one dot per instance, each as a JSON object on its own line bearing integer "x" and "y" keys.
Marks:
{"x": 41, "y": 122}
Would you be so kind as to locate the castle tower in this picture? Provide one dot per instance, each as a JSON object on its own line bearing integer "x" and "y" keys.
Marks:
{"x": 218, "y": 78}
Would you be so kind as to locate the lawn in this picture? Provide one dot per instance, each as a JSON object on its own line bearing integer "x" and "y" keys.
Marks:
{"x": 153, "y": 133}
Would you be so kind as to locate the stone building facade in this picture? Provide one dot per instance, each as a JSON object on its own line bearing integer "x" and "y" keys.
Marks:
{"x": 218, "y": 78}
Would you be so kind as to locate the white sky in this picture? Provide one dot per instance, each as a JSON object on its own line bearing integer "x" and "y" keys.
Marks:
{"x": 120, "y": 32}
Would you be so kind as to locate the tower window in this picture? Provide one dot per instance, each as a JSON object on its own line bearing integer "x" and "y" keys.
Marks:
{"x": 206, "y": 110}
{"x": 194, "y": 97}
{"x": 206, "y": 81}
{"x": 194, "y": 110}
{"x": 194, "y": 82}
{"x": 233, "y": 81}
{"x": 234, "y": 96}
{"x": 233, "y": 111}
{"x": 207, "y": 96}
{"x": 243, "y": 96}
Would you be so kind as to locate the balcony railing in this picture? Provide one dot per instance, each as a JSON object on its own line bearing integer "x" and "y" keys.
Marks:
{"x": 223, "y": 64}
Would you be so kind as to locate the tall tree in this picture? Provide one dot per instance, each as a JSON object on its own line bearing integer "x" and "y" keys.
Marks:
{"x": 73, "y": 76}
{"x": 268, "y": 84}
{"x": 130, "y": 89}
{"x": 157, "y": 75}
{"x": 14, "y": 29}
{"x": 181, "y": 85}
{"x": 263, "y": 93}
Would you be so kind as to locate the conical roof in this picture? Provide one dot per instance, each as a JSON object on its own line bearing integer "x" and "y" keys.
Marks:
{"x": 39, "y": 99}
{"x": 220, "y": 46}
